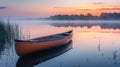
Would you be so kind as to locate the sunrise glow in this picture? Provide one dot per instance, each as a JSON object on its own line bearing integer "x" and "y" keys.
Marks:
{"x": 45, "y": 8}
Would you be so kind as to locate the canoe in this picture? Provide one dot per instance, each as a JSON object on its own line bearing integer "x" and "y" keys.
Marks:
{"x": 37, "y": 58}
{"x": 24, "y": 47}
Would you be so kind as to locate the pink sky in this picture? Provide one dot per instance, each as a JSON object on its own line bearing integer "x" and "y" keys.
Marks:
{"x": 45, "y": 8}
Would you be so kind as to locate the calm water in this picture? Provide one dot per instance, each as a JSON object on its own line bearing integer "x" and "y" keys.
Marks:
{"x": 94, "y": 44}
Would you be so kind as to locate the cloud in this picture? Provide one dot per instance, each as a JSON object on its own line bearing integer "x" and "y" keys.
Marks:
{"x": 109, "y": 9}
{"x": 2, "y": 7}
{"x": 61, "y": 8}
{"x": 98, "y": 3}
{"x": 83, "y": 9}
{"x": 99, "y": 9}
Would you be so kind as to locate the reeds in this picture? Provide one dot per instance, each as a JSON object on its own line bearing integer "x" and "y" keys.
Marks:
{"x": 8, "y": 32}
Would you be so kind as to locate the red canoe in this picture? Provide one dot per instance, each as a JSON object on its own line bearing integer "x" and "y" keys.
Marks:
{"x": 24, "y": 47}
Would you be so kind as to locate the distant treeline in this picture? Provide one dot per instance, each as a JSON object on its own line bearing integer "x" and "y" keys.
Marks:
{"x": 89, "y": 16}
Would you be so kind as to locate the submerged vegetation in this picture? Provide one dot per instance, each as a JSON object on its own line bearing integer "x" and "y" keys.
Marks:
{"x": 8, "y": 32}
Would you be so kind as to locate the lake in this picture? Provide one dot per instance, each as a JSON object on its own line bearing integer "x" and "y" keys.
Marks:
{"x": 94, "y": 44}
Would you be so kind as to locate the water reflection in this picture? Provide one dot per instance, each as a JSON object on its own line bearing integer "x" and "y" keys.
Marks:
{"x": 99, "y": 47}
{"x": 89, "y": 25}
{"x": 93, "y": 45}
{"x": 39, "y": 57}
{"x": 115, "y": 56}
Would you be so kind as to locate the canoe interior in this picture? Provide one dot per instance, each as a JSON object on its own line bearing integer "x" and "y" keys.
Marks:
{"x": 24, "y": 47}
{"x": 47, "y": 38}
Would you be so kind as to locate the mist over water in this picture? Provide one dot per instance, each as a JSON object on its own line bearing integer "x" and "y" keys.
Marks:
{"x": 94, "y": 43}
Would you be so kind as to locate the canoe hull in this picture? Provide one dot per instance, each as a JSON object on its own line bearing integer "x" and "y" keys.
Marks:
{"x": 24, "y": 48}
{"x": 33, "y": 59}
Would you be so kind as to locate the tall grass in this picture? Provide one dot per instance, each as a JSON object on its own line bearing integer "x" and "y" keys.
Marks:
{"x": 8, "y": 32}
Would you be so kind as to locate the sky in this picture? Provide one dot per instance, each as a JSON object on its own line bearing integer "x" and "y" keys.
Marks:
{"x": 46, "y": 8}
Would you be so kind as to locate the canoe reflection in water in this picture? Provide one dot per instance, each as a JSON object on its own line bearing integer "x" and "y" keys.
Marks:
{"x": 42, "y": 56}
